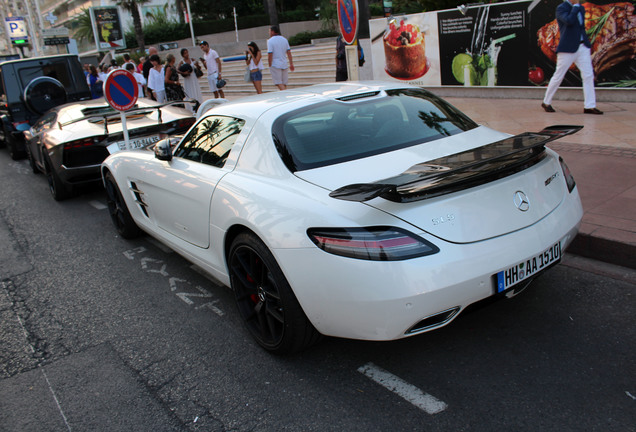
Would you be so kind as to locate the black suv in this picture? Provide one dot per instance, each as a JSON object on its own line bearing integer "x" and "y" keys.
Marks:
{"x": 30, "y": 87}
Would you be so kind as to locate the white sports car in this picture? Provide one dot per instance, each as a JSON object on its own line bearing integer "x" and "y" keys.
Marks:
{"x": 361, "y": 210}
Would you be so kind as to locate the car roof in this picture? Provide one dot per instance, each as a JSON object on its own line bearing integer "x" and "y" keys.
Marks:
{"x": 287, "y": 100}
{"x": 34, "y": 59}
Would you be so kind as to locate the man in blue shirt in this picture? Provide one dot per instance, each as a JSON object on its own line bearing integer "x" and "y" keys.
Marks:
{"x": 574, "y": 47}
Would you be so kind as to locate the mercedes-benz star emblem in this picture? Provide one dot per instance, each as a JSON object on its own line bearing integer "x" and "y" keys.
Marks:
{"x": 521, "y": 201}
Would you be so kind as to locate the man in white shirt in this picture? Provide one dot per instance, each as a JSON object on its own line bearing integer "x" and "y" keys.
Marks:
{"x": 278, "y": 52}
{"x": 212, "y": 63}
{"x": 141, "y": 81}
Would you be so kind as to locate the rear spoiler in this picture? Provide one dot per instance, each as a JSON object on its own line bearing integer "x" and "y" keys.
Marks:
{"x": 105, "y": 117}
{"x": 459, "y": 171}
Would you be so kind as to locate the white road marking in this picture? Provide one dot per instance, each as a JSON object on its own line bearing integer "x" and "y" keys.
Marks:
{"x": 98, "y": 205}
{"x": 162, "y": 271}
{"x": 46, "y": 377}
{"x": 211, "y": 306}
{"x": 173, "y": 283}
{"x": 630, "y": 395}
{"x": 130, "y": 254}
{"x": 409, "y": 392}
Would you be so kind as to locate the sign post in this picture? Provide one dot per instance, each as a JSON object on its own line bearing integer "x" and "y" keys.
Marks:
{"x": 121, "y": 92}
{"x": 348, "y": 21}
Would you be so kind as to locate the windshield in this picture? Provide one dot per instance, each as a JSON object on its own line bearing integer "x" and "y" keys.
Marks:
{"x": 336, "y": 131}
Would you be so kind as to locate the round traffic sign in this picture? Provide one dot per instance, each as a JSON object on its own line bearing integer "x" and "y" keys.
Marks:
{"x": 348, "y": 20}
{"x": 121, "y": 90}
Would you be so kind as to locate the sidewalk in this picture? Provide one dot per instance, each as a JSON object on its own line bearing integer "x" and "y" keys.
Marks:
{"x": 602, "y": 158}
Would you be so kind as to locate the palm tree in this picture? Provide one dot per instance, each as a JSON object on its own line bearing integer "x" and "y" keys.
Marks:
{"x": 132, "y": 6}
{"x": 83, "y": 28}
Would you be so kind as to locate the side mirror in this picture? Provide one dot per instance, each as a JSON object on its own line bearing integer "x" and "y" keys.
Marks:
{"x": 163, "y": 150}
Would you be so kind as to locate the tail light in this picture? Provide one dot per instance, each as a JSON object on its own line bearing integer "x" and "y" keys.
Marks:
{"x": 184, "y": 123}
{"x": 372, "y": 243}
{"x": 83, "y": 143}
{"x": 567, "y": 174}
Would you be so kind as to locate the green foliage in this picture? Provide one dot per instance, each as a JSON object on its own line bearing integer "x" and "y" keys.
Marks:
{"x": 376, "y": 9}
{"x": 159, "y": 16}
{"x": 156, "y": 32}
{"x": 83, "y": 29}
{"x": 306, "y": 37}
{"x": 328, "y": 15}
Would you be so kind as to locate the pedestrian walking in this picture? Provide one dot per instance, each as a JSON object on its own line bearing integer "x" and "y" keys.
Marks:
{"x": 254, "y": 60}
{"x": 278, "y": 53}
{"x": 574, "y": 48}
{"x": 156, "y": 79}
{"x": 141, "y": 82}
{"x": 190, "y": 76}
{"x": 212, "y": 63}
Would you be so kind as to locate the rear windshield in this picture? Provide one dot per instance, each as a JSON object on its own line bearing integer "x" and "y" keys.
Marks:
{"x": 338, "y": 131}
{"x": 54, "y": 69}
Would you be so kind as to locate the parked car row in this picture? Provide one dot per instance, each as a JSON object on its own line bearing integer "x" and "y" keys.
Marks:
{"x": 362, "y": 210}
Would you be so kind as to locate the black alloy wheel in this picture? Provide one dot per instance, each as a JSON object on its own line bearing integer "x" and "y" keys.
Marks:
{"x": 119, "y": 214}
{"x": 265, "y": 300}
{"x": 14, "y": 148}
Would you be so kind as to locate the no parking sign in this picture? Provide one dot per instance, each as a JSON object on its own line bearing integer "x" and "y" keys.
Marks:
{"x": 121, "y": 92}
{"x": 348, "y": 17}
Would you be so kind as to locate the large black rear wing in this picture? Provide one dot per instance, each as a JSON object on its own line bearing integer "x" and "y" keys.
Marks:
{"x": 106, "y": 114}
{"x": 461, "y": 170}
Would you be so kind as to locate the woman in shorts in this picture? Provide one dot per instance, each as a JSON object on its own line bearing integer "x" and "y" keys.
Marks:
{"x": 254, "y": 60}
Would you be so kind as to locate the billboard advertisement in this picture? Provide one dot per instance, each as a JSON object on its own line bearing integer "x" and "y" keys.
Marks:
{"x": 107, "y": 28}
{"x": 501, "y": 44}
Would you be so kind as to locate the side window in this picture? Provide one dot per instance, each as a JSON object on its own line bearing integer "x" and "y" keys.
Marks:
{"x": 45, "y": 122}
{"x": 54, "y": 69}
{"x": 211, "y": 140}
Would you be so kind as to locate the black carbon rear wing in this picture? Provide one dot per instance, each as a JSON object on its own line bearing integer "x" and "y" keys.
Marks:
{"x": 459, "y": 171}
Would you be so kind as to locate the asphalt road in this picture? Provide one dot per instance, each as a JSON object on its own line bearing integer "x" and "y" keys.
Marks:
{"x": 104, "y": 334}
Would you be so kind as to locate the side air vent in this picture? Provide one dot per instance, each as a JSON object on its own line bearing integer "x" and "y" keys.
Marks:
{"x": 139, "y": 198}
{"x": 358, "y": 96}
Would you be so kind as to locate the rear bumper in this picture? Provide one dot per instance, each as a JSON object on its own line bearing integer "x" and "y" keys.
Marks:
{"x": 80, "y": 175}
{"x": 373, "y": 300}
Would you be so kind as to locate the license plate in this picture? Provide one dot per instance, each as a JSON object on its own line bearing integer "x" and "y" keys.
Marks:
{"x": 528, "y": 268}
{"x": 133, "y": 144}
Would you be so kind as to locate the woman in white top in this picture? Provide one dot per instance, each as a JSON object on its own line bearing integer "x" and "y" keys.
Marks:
{"x": 156, "y": 79}
{"x": 190, "y": 80}
{"x": 254, "y": 59}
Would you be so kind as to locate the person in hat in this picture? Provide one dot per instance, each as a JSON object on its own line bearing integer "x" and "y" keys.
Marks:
{"x": 212, "y": 63}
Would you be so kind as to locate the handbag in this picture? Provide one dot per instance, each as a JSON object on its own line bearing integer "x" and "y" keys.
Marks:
{"x": 247, "y": 76}
{"x": 198, "y": 72}
{"x": 220, "y": 83}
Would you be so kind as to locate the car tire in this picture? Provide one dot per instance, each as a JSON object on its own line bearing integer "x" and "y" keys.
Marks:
{"x": 57, "y": 187}
{"x": 119, "y": 214}
{"x": 13, "y": 148}
{"x": 265, "y": 299}
{"x": 32, "y": 164}
{"x": 44, "y": 93}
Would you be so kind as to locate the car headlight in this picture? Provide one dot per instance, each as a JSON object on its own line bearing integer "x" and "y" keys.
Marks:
{"x": 371, "y": 243}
